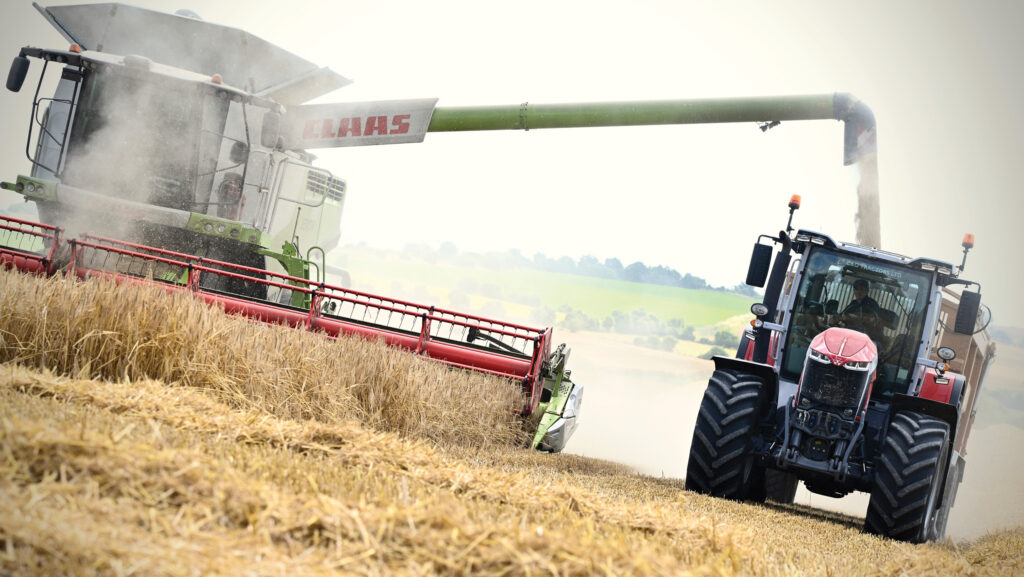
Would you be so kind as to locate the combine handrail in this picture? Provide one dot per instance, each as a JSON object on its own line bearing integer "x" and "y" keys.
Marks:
{"x": 24, "y": 258}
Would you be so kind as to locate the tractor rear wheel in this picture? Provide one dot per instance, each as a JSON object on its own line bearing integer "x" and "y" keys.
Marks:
{"x": 908, "y": 479}
{"x": 722, "y": 462}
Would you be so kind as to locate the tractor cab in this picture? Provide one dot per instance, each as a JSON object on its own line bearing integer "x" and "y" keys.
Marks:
{"x": 885, "y": 300}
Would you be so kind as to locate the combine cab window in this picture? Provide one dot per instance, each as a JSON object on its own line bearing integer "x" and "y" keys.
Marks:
{"x": 137, "y": 136}
{"x": 884, "y": 300}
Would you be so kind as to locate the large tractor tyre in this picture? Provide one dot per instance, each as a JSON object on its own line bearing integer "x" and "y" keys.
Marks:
{"x": 722, "y": 462}
{"x": 780, "y": 487}
{"x": 908, "y": 480}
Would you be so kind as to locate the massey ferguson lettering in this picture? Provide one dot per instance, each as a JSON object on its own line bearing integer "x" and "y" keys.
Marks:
{"x": 358, "y": 123}
{"x": 356, "y": 126}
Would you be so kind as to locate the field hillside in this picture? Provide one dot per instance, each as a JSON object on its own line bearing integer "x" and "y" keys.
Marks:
{"x": 142, "y": 433}
{"x": 518, "y": 291}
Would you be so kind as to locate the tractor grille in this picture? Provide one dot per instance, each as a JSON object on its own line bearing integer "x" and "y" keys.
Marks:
{"x": 832, "y": 385}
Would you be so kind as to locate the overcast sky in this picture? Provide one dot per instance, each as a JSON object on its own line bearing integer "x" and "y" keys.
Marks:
{"x": 941, "y": 77}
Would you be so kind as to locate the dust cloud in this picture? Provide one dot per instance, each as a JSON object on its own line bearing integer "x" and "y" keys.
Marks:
{"x": 129, "y": 148}
{"x": 868, "y": 218}
{"x": 639, "y": 405}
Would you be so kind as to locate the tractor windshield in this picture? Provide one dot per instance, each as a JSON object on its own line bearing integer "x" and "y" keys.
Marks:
{"x": 884, "y": 300}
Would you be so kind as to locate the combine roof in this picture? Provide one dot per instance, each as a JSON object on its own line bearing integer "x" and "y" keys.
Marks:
{"x": 186, "y": 42}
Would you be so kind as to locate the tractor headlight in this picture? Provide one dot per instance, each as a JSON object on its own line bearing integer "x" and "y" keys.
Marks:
{"x": 857, "y": 365}
{"x": 819, "y": 356}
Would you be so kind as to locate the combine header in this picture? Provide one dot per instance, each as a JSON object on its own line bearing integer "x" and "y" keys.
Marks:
{"x": 515, "y": 352}
{"x": 185, "y": 144}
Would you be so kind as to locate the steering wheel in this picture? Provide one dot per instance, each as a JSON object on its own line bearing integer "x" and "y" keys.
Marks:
{"x": 866, "y": 320}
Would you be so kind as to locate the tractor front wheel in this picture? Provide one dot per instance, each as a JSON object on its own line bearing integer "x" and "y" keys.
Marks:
{"x": 722, "y": 462}
{"x": 908, "y": 479}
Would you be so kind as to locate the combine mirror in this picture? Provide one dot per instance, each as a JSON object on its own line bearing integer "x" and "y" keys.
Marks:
{"x": 239, "y": 152}
{"x": 16, "y": 77}
{"x": 271, "y": 130}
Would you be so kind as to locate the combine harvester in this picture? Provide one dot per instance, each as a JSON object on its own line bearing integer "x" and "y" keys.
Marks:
{"x": 181, "y": 158}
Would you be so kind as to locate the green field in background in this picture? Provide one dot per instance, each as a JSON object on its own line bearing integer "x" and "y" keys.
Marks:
{"x": 383, "y": 271}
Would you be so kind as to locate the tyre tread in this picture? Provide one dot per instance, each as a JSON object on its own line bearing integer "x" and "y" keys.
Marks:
{"x": 905, "y": 473}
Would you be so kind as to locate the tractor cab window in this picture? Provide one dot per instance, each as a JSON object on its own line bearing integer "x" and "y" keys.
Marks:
{"x": 883, "y": 300}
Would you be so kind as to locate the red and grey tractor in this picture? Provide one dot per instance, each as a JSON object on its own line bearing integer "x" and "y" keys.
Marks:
{"x": 859, "y": 373}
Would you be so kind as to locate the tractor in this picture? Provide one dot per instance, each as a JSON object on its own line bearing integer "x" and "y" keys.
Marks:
{"x": 859, "y": 372}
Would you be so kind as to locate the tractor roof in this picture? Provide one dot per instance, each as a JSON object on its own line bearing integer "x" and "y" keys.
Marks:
{"x": 928, "y": 264}
{"x": 186, "y": 42}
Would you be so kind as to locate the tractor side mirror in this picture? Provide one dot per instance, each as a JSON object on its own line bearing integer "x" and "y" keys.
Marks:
{"x": 760, "y": 262}
{"x": 16, "y": 77}
{"x": 271, "y": 130}
{"x": 967, "y": 314}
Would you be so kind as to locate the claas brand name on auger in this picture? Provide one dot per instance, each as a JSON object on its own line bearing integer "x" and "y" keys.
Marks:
{"x": 374, "y": 126}
{"x": 349, "y": 124}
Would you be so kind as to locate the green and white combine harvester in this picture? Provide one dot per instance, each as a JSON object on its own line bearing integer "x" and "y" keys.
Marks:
{"x": 176, "y": 151}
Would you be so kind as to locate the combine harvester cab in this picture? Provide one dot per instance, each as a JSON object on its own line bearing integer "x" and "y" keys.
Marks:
{"x": 149, "y": 163}
{"x": 861, "y": 372}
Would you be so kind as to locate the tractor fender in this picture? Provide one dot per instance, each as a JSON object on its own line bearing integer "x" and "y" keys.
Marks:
{"x": 945, "y": 388}
{"x": 939, "y": 410}
{"x": 765, "y": 372}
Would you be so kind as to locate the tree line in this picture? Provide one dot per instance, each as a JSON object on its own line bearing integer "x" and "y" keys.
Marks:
{"x": 590, "y": 266}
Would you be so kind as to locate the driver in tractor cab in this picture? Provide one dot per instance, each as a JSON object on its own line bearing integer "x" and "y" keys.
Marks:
{"x": 862, "y": 303}
{"x": 865, "y": 314}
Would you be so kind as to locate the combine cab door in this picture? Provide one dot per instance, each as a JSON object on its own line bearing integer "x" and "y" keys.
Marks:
{"x": 49, "y": 152}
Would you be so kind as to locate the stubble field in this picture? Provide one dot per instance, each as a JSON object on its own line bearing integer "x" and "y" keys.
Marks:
{"x": 142, "y": 433}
